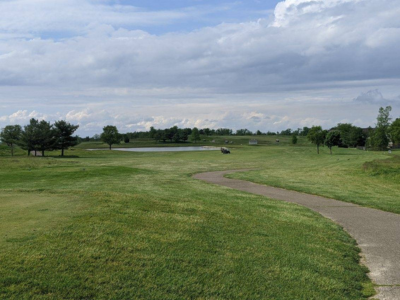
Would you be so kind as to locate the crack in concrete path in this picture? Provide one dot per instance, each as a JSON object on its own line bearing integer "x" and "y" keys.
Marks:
{"x": 376, "y": 232}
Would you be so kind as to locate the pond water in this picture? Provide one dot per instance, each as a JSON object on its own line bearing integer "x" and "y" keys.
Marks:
{"x": 163, "y": 149}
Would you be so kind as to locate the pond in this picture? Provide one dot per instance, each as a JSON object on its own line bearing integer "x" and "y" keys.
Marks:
{"x": 163, "y": 149}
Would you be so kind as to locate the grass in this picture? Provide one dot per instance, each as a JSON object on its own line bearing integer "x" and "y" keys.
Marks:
{"x": 116, "y": 225}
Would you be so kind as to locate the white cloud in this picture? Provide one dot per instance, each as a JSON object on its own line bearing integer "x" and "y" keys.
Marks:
{"x": 101, "y": 70}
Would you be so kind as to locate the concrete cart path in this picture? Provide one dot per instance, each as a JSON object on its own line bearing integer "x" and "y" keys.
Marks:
{"x": 376, "y": 232}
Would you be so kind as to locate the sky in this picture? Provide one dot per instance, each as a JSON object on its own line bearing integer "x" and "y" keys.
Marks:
{"x": 256, "y": 64}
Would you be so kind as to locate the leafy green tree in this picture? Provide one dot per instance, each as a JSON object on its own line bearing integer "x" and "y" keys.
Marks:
{"x": 351, "y": 136}
{"x": 357, "y": 137}
{"x": 152, "y": 132}
{"x": 332, "y": 139}
{"x": 380, "y": 139}
{"x": 10, "y": 135}
{"x": 110, "y": 135}
{"x": 294, "y": 139}
{"x": 316, "y": 136}
{"x": 395, "y": 131}
{"x": 242, "y": 132}
{"x": 30, "y": 136}
{"x": 189, "y": 131}
{"x": 305, "y": 131}
{"x": 177, "y": 136}
{"x": 286, "y": 132}
{"x": 185, "y": 135}
{"x": 164, "y": 135}
{"x": 157, "y": 135}
{"x": 223, "y": 131}
{"x": 207, "y": 131}
{"x": 64, "y": 135}
{"x": 195, "y": 135}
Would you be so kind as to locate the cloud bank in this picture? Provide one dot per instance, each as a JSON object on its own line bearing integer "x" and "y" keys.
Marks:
{"x": 86, "y": 61}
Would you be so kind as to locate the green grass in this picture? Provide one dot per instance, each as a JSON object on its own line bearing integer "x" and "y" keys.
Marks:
{"x": 116, "y": 225}
{"x": 366, "y": 178}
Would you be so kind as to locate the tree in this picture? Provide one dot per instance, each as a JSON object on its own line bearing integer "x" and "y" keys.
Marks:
{"x": 164, "y": 135}
{"x": 294, "y": 139}
{"x": 45, "y": 136}
{"x": 242, "y": 132}
{"x": 157, "y": 135}
{"x": 126, "y": 139}
{"x": 332, "y": 139}
{"x": 195, "y": 135}
{"x": 351, "y": 136}
{"x": 316, "y": 136}
{"x": 185, "y": 135}
{"x": 286, "y": 132}
{"x": 110, "y": 135}
{"x": 380, "y": 139}
{"x": 305, "y": 131}
{"x": 30, "y": 136}
{"x": 357, "y": 137}
{"x": 207, "y": 131}
{"x": 10, "y": 135}
{"x": 152, "y": 132}
{"x": 395, "y": 131}
{"x": 259, "y": 132}
{"x": 177, "y": 136}
{"x": 63, "y": 133}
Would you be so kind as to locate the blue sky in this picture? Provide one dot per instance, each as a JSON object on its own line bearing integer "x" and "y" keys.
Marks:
{"x": 219, "y": 11}
{"x": 267, "y": 65}
{"x": 202, "y": 13}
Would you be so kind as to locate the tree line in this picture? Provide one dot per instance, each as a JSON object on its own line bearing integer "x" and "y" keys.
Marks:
{"x": 174, "y": 134}
{"x": 40, "y": 136}
{"x": 347, "y": 135}
{"x": 181, "y": 135}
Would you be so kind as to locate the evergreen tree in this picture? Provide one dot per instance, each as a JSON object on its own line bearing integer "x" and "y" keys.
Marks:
{"x": 45, "y": 137}
{"x": 63, "y": 134}
{"x": 30, "y": 136}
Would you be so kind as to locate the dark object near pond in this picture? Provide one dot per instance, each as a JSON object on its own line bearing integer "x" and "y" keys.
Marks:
{"x": 225, "y": 150}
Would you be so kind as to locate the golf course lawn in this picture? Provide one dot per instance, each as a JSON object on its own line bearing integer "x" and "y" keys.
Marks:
{"x": 125, "y": 225}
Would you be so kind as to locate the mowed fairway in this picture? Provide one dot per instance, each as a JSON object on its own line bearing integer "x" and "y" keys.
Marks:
{"x": 116, "y": 225}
